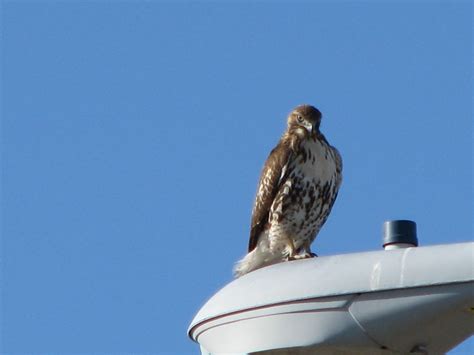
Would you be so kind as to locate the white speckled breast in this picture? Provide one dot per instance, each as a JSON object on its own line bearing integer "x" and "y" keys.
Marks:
{"x": 309, "y": 193}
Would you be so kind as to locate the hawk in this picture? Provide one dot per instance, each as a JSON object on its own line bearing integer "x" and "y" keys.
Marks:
{"x": 297, "y": 189}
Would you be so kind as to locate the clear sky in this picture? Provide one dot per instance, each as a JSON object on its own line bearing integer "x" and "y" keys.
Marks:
{"x": 133, "y": 134}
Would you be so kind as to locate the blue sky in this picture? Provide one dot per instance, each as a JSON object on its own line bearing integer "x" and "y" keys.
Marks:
{"x": 133, "y": 134}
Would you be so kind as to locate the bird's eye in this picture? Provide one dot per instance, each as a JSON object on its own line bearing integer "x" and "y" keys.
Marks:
{"x": 299, "y": 118}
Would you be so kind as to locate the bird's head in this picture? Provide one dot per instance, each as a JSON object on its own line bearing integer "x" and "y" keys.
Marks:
{"x": 307, "y": 117}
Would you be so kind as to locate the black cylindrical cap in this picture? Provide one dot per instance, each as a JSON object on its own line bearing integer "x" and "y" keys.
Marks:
{"x": 400, "y": 231}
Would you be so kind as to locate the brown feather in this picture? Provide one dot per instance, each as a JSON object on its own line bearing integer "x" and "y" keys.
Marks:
{"x": 270, "y": 182}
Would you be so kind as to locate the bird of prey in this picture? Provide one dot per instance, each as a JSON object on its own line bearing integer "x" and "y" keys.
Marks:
{"x": 297, "y": 189}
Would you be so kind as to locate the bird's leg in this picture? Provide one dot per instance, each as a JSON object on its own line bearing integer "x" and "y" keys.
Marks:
{"x": 290, "y": 250}
{"x": 304, "y": 252}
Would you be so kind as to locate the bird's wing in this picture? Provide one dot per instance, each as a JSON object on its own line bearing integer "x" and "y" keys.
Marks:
{"x": 338, "y": 159}
{"x": 273, "y": 174}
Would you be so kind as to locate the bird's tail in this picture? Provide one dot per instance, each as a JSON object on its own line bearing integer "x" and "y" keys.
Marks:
{"x": 249, "y": 262}
{"x": 252, "y": 261}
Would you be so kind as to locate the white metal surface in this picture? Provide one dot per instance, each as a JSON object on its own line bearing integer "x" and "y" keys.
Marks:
{"x": 384, "y": 301}
{"x": 398, "y": 246}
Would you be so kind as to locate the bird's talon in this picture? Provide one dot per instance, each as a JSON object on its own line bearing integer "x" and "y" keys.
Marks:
{"x": 301, "y": 256}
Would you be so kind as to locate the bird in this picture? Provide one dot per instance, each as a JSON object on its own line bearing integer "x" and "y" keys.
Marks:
{"x": 297, "y": 188}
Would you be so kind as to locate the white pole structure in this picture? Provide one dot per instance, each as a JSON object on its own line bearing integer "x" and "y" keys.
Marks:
{"x": 405, "y": 300}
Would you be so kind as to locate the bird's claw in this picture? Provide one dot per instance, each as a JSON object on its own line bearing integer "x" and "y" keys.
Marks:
{"x": 301, "y": 256}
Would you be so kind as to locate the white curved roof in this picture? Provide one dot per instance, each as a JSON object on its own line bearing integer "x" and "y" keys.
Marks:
{"x": 341, "y": 275}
